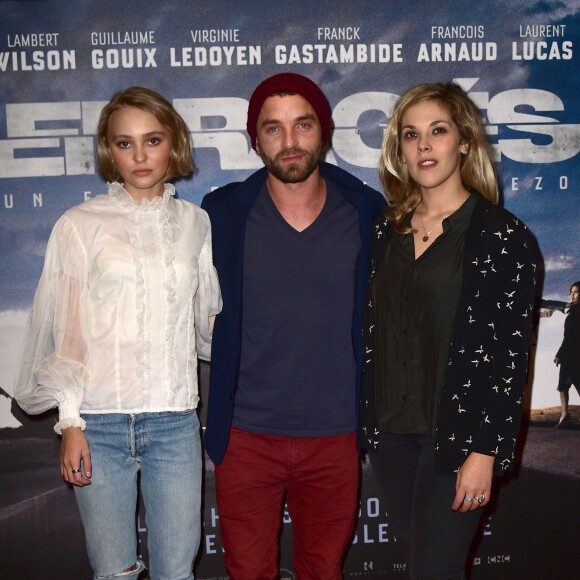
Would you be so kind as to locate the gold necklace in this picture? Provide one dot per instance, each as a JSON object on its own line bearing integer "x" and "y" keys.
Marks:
{"x": 428, "y": 233}
{"x": 440, "y": 224}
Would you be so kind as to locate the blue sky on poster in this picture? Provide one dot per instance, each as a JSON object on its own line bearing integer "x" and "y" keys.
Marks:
{"x": 551, "y": 212}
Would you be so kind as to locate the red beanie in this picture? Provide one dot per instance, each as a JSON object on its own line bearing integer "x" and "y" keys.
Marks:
{"x": 296, "y": 84}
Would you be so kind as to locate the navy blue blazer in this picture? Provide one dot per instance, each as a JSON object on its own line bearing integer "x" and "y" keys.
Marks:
{"x": 228, "y": 208}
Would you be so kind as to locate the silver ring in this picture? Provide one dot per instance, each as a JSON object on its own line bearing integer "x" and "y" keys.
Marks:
{"x": 76, "y": 470}
{"x": 480, "y": 498}
{"x": 468, "y": 499}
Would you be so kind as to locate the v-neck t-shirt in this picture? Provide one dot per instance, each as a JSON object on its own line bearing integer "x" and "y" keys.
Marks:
{"x": 297, "y": 371}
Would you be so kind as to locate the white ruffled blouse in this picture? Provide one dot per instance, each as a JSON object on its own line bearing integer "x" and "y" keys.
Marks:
{"x": 122, "y": 309}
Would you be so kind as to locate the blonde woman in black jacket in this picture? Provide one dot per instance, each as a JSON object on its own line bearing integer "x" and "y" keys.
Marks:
{"x": 447, "y": 325}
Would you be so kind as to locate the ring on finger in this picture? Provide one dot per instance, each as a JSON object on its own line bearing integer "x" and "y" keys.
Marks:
{"x": 468, "y": 499}
{"x": 76, "y": 470}
{"x": 480, "y": 498}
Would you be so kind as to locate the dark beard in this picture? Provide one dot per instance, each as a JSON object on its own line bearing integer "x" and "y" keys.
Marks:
{"x": 295, "y": 173}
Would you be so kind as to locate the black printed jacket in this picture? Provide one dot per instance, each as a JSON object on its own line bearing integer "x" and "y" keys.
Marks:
{"x": 481, "y": 402}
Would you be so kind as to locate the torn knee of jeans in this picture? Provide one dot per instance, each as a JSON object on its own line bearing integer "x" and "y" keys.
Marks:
{"x": 136, "y": 567}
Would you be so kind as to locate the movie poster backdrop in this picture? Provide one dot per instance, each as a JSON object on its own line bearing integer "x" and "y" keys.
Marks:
{"x": 60, "y": 62}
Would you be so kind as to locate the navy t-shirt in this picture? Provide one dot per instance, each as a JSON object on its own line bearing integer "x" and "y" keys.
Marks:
{"x": 297, "y": 372}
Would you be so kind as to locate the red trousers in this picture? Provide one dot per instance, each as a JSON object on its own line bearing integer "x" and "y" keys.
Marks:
{"x": 319, "y": 477}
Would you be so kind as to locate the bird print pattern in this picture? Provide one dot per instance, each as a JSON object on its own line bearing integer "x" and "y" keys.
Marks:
{"x": 481, "y": 403}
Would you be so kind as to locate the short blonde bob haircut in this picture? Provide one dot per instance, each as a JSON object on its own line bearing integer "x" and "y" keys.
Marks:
{"x": 180, "y": 158}
{"x": 477, "y": 171}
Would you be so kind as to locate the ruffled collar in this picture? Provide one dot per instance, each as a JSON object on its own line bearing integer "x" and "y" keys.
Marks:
{"x": 118, "y": 193}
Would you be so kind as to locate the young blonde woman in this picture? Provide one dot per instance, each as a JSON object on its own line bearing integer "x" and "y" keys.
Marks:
{"x": 121, "y": 313}
{"x": 447, "y": 327}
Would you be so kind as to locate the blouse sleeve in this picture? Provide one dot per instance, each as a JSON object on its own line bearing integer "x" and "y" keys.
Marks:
{"x": 53, "y": 369}
{"x": 208, "y": 300}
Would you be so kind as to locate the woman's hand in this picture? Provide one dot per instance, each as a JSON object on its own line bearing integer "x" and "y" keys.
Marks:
{"x": 473, "y": 486}
{"x": 75, "y": 457}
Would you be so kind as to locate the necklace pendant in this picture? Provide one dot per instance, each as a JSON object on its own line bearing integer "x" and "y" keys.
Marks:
{"x": 425, "y": 238}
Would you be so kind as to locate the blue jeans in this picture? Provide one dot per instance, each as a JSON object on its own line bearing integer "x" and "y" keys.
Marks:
{"x": 166, "y": 449}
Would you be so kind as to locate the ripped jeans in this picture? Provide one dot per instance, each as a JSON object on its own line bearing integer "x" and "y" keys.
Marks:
{"x": 166, "y": 449}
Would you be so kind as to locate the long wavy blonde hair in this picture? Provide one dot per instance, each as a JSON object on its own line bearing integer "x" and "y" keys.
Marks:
{"x": 477, "y": 171}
